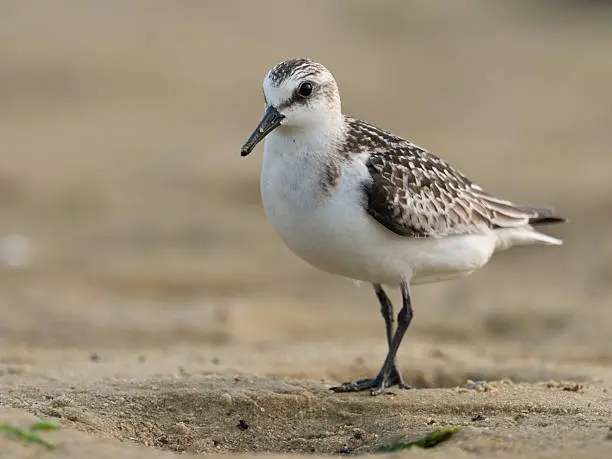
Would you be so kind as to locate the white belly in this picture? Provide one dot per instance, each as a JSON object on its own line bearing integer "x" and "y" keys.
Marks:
{"x": 335, "y": 233}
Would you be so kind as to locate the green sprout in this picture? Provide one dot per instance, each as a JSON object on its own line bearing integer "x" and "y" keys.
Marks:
{"x": 428, "y": 441}
{"x": 31, "y": 434}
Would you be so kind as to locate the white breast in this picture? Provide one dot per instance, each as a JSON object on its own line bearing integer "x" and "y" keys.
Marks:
{"x": 334, "y": 232}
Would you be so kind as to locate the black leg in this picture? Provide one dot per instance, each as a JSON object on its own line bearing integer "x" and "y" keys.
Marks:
{"x": 386, "y": 310}
{"x": 403, "y": 322}
{"x": 390, "y": 374}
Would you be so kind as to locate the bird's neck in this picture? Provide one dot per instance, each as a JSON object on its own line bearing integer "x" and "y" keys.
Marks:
{"x": 316, "y": 141}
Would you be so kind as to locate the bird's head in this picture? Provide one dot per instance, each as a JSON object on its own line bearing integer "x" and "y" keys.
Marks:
{"x": 299, "y": 94}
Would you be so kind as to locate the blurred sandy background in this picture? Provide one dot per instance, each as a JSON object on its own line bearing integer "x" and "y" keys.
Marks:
{"x": 136, "y": 262}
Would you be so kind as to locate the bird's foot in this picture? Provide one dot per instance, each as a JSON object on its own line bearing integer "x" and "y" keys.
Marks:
{"x": 376, "y": 385}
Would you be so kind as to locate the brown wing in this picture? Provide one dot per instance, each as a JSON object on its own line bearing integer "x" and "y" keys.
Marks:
{"x": 416, "y": 194}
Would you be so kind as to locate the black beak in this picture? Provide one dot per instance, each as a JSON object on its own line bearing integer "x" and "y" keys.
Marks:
{"x": 271, "y": 120}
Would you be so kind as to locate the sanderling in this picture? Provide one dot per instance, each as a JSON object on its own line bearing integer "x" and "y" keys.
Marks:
{"x": 358, "y": 201}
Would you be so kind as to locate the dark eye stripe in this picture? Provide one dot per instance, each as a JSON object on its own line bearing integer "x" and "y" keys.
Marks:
{"x": 296, "y": 99}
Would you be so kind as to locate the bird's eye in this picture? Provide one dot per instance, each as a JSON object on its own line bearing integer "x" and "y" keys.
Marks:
{"x": 305, "y": 89}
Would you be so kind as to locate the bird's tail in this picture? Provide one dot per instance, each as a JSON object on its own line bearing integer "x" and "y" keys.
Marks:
{"x": 527, "y": 235}
{"x": 544, "y": 216}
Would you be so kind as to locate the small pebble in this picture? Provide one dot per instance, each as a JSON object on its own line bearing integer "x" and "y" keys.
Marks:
{"x": 568, "y": 386}
{"x": 574, "y": 388}
{"x": 243, "y": 424}
{"x": 226, "y": 400}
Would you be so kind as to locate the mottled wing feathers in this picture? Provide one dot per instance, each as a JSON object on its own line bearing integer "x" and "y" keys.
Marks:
{"x": 416, "y": 194}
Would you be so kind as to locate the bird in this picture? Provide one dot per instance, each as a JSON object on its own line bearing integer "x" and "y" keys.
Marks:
{"x": 357, "y": 201}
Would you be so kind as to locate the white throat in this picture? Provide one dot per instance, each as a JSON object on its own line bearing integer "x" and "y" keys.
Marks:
{"x": 315, "y": 140}
{"x": 295, "y": 163}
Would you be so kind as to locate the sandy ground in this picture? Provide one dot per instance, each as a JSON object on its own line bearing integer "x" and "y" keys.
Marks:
{"x": 156, "y": 309}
